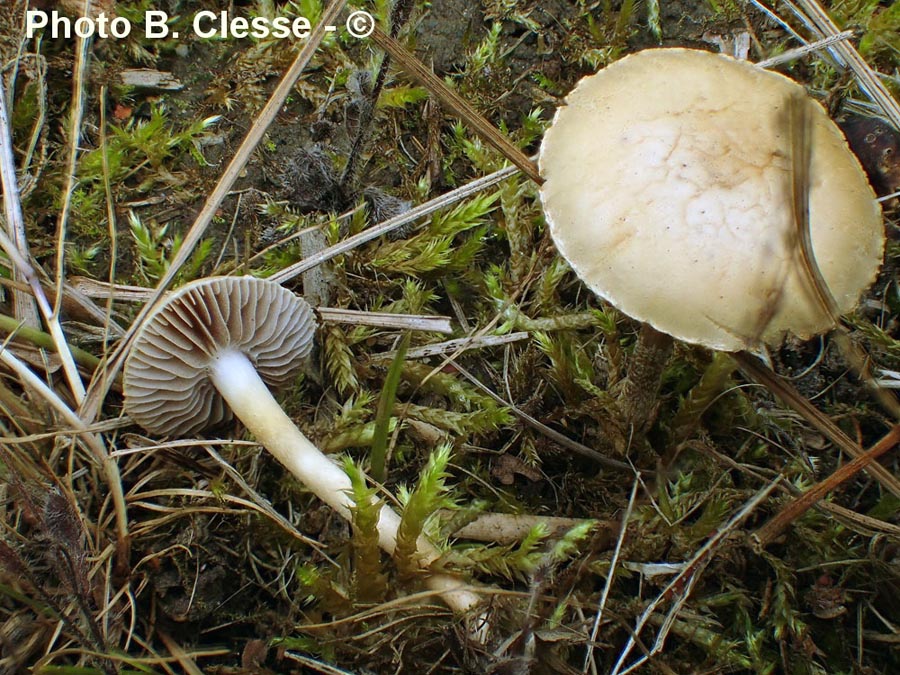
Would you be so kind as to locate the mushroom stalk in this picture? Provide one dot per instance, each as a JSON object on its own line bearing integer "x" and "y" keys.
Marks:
{"x": 236, "y": 379}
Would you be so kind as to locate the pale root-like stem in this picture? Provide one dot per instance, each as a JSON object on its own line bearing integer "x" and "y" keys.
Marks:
{"x": 239, "y": 384}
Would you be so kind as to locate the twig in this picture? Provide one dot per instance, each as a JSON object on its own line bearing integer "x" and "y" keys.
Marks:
{"x": 456, "y": 103}
{"x": 793, "y": 510}
{"x": 856, "y": 521}
{"x": 423, "y": 322}
{"x": 784, "y": 390}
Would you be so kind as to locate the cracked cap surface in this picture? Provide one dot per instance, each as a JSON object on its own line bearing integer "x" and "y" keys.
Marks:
{"x": 668, "y": 190}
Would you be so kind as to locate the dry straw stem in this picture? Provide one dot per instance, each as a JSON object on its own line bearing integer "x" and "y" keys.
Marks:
{"x": 799, "y": 52}
{"x": 768, "y": 532}
{"x": 15, "y": 223}
{"x": 178, "y": 652}
{"x": 74, "y": 137}
{"x": 844, "y": 54}
{"x": 99, "y": 390}
{"x": 421, "y": 322}
{"x": 456, "y": 346}
{"x": 17, "y": 250}
{"x": 869, "y": 81}
{"x": 598, "y": 618}
{"x": 858, "y": 522}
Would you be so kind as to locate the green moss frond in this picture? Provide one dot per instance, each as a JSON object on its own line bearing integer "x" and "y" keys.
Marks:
{"x": 369, "y": 581}
{"x": 429, "y": 494}
{"x": 339, "y": 360}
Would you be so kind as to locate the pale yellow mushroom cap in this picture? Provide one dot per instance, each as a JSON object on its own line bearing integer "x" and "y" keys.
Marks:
{"x": 668, "y": 190}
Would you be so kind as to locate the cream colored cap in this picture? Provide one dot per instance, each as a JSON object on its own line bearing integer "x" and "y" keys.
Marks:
{"x": 668, "y": 190}
{"x": 166, "y": 381}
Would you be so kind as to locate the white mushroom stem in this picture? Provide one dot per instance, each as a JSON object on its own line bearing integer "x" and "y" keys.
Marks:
{"x": 239, "y": 384}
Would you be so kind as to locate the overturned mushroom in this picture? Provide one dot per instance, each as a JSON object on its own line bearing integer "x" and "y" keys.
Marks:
{"x": 668, "y": 188}
{"x": 214, "y": 342}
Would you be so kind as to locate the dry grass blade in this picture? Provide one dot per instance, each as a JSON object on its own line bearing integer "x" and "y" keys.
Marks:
{"x": 598, "y": 619}
{"x": 768, "y": 532}
{"x": 260, "y": 502}
{"x": 229, "y": 176}
{"x": 423, "y": 322}
{"x": 794, "y": 54}
{"x": 109, "y": 324}
{"x": 392, "y": 224}
{"x": 457, "y": 104}
{"x": 785, "y": 391}
{"x": 800, "y": 134}
{"x": 76, "y": 113}
{"x": 177, "y": 651}
{"x": 801, "y": 148}
{"x": 15, "y": 225}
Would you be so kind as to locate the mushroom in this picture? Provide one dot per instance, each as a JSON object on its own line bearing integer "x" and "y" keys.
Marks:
{"x": 218, "y": 341}
{"x": 668, "y": 188}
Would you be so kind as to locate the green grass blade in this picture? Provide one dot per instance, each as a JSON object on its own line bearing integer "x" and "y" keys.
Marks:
{"x": 378, "y": 456}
